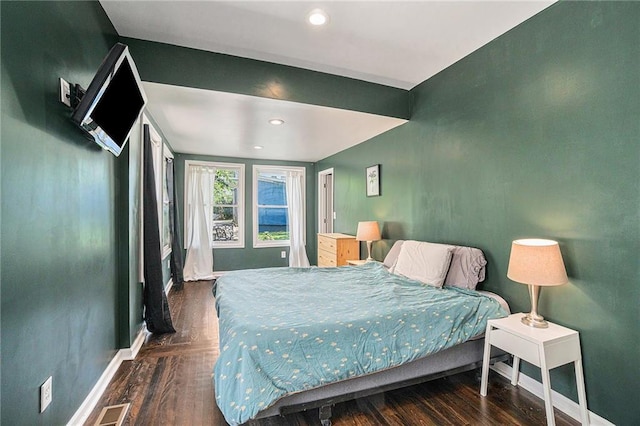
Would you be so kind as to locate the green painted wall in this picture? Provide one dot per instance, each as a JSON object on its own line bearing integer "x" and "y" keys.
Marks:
{"x": 247, "y": 258}
{"x": 128, "y": 216}
{"x": 215, "y": 71}
{"x": 127, "y": 257}
{"x": 535, "y": 134}
{"x": 59, "y": 195}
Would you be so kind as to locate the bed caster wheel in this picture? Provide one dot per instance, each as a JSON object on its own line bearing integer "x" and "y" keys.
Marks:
{"x": 325, "y": 422}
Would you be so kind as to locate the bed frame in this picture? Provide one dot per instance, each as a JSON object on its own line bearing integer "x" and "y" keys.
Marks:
{"x": 464, "y": 357}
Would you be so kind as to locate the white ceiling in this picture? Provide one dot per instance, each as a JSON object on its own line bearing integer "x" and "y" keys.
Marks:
{"x": 227, "y": 124}
{"x": 395, "y": 43}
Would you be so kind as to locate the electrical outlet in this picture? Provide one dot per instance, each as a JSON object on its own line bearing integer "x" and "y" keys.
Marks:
{"x": 65, "y": 92}
{"x": 283, "y": 254}
{"x": 46, "y": 393}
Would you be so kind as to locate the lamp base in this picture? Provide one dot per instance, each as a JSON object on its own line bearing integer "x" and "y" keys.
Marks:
{"x": 534, "y": 321}
{"x": 369, "y": 259}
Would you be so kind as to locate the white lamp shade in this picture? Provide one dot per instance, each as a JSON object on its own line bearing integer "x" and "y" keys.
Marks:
{"x": 368, "y": 231}
{"x": 536, "y": 262}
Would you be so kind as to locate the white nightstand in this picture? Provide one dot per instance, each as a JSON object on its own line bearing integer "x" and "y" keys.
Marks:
{"x": 546, "y": 348}
{"x": 356, "y": 262}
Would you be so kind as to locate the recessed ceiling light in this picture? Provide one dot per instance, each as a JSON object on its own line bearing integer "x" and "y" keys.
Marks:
{"x": 276, "y": 121}
{"x": 318, "y": 17}
{"x": 258, "y": 147}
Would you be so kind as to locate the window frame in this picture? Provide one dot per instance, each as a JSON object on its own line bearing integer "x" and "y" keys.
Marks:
{"x": 159, "y": 152}
{"x": 162, "y": 202}
{"x": 257, "y": 169}
{"x": 241, "y": 202}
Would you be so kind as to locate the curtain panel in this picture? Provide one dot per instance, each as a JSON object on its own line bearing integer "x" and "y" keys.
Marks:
{"x": 156, "y": 308}
{"x": 294, "y": 187}
{"x": 199, "y": 262}
{"x": 174, "y": 228}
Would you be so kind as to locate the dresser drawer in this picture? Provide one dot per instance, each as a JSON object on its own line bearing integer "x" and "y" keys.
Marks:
{"x": 327, "y": 244}
{"x": 326, "y": 259}
{"x": 516, "y": 345}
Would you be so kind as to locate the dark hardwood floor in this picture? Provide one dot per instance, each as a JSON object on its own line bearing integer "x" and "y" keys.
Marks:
{"x": 170, "y": 383}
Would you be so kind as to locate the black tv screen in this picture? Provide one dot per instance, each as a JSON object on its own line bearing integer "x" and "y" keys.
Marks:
{"x": 113, "y": 101}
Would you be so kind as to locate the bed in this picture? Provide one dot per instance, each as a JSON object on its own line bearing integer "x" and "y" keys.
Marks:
{"x": 299, "y": 338}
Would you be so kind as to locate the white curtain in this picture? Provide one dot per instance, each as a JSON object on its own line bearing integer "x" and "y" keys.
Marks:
{"x": 199, "y": 262}
{"x": 297, "y": 253}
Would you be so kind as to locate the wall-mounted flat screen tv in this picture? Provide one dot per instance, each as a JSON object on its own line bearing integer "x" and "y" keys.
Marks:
{"x": 113, "y": 101}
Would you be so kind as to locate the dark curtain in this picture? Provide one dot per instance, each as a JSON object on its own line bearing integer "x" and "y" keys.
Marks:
{"x": 174, "y": 226}
{"x": 156, "y": 308}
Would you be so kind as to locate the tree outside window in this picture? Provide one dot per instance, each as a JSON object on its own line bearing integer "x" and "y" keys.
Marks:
{"x": 225, "y": 205}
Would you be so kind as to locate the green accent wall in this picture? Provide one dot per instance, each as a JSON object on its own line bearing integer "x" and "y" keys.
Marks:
{"x": 181, "y": 66}
{"x": 230, "y": 259}
{"x": 59, "y": 228}
{"x": 536, "y": 134}
{"x": 128, "y": 177}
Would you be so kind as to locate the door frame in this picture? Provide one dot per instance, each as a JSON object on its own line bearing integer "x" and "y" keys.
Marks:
{"x": 325, "y": 197}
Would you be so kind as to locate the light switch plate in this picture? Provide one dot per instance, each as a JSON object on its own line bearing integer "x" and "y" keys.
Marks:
{"x": 46, "y": 393}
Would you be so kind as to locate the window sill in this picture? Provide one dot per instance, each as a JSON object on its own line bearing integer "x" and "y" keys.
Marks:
{"x": 268, "y": 244}
{"x": 229, "y": 245}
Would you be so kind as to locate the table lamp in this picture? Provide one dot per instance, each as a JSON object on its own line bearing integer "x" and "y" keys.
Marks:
{"x": 369, "y": 232}
{"x": 537, "y": 263}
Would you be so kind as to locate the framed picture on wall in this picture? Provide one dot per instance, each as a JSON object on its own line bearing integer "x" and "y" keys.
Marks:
{"x": 373, "y": 180}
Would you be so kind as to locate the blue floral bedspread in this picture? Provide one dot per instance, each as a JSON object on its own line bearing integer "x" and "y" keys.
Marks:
{"x": 284, "y": 330}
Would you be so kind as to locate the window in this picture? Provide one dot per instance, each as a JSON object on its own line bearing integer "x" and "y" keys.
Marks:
{"x": 160, "y": 153}
{"x": 270, "y": 207}
{"x": 166, "y": 225}
{"x": 225, "y": 204}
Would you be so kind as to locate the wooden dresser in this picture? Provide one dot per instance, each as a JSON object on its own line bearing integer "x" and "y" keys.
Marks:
{"x": 336, "y": 249}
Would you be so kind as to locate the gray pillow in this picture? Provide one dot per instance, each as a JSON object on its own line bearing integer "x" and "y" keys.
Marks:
{"x": 467, "y": 267}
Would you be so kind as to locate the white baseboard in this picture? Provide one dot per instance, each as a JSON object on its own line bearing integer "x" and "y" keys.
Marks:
{"x": 89, "y": 403}
{"x": 561, "y": 402}
{"x": 168, "y": 286}
{"x": 129, "y": 354}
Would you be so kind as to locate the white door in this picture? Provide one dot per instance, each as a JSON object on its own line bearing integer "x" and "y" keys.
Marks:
{"x": 325, "y": 201}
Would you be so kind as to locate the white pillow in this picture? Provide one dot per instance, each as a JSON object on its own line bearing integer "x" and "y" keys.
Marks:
{"x": 424, "y": 262}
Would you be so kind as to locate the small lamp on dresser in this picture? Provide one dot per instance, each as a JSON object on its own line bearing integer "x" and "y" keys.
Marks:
{"x": 537, "y": 263}
{"x": 368, "y": 231}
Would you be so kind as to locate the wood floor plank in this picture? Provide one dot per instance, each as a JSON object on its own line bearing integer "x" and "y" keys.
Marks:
{"x": 170, "y": 383}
